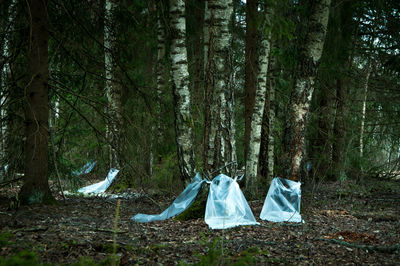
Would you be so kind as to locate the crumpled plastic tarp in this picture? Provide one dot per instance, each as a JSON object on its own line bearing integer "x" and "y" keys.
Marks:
{"x": 86, "y": 169}
{"x": 282, "y": 203}
{"x": 226, "y": 205}
{"x": 181, "y": 203}
{"x": 101, "y": 186}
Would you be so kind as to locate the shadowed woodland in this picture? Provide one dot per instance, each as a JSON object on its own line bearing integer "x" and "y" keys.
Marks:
{"x": 161, "y": 90}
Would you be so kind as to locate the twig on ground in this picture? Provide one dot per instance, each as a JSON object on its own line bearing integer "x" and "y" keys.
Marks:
{"x": 32, "y": 229}
{"x": 384, "y": 249}
{"x": 109, "y": 230}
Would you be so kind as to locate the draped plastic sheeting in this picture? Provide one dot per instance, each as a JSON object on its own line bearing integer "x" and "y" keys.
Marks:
{"x": 86, "y": 169}
{"x": 282, "y": 203}
{"x": 181, "y": 203}
{"x": 226, "y": 205}
{"x": 101, "y": 186}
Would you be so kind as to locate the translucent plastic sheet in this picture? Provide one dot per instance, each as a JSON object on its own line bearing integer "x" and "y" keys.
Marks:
{"x": 86, "y": 169}
{"x": 282, "y": 203}
{"x": 101, "y": 186}
{"x": 226, "y": 205}
{"x": 181, "y": 203}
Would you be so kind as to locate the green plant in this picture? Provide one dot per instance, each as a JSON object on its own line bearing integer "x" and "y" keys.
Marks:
{"x": 213, "y": 255}
{"x": 4, "y": 237}
{"x": 25, "y": 258}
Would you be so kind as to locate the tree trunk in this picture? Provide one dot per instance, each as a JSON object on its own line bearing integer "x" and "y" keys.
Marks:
{"x": 251, "y": 67}
{"x": 198, "y": 59}
{"x": 5, "y": 77}
{"x": 208, "y": 38}
{"x": 221, "y": 148}
{"x": 340, "y": 42}
{"x": 267, "y": 146}
{"x": 258, "y": 111}
{"x": 113, "y": 90}
{"x": 36, "y": 188}
{"x": 180, "y": 83}
{"x": 364, "y": 108}
{"x": 300, "y": 99}
{"x": 339, "y": 144}
{"x": 160, "y": 69}
{"x": 322, "y": 147}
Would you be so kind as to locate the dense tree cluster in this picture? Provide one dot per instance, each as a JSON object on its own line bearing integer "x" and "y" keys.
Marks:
{"x": 307, "y": 90}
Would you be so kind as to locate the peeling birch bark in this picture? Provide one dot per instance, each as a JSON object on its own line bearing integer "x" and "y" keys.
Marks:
{"x": 221, "y": 148}
{"x": 304, "y": 86}
{"x": 180, "y": 83}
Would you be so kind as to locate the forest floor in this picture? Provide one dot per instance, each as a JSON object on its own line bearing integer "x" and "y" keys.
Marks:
{"x": 345, "y": 223}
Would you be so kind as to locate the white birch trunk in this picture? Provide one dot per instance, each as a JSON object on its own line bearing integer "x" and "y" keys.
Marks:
{"x": 364, "y": 108}
{"x": 253, "y": 150}
{"x": 180, "y": 84}
{"x": 221, "y": 148}
{"x": 113, "y": 90}
{"x": 304, "y": 86}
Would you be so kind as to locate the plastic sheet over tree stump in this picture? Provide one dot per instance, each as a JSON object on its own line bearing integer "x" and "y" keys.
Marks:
{"x": 282, "y": 203}
{"x": 181, "y": 203}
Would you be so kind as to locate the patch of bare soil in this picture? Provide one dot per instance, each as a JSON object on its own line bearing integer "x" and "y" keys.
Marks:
{"x": 344, "y": 224}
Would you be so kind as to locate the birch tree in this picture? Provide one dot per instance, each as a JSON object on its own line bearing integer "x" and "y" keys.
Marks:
{"x": 113, "y": 90}
{"x": 267, "y": 146}
{"x": 364, "y": 107}
{"x": 160, "y": 68}
{"x": 301, "y": 95}
{"x": 36, "y": 188}
{"x": 221, "y": 147}
{"x": 180, "y": 84}
{"x": 251, "y": 67}
{"x": 258, "y": 111}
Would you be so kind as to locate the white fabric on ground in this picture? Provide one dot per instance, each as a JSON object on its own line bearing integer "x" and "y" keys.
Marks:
{"x": 282, "y": 203}
{"x": 101, "y": 186}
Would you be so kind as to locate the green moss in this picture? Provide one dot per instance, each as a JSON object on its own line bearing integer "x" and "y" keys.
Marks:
{"x": 195, "y": 211}
{"x": 48, "y": 199}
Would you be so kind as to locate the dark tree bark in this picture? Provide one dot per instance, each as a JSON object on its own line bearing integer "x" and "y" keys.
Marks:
{"x": 339, "y": 131}
{"x": 322, "y": 146}
{"x": 36, "y": 188}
